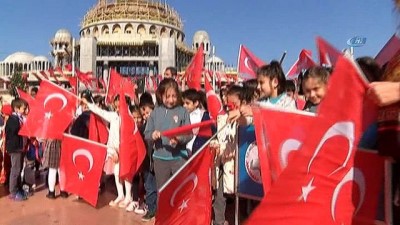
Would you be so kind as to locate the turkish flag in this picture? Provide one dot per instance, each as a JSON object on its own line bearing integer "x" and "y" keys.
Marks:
{"x": 85, "y": 78}
{"x": 369, "y": 177}
{"x": 328, "y": 55}
{"x": 311, "y": 188}
{"x": 388, "y": 51}
{"x": 115, "y": 84}
{"x": 205, "y": 129}
{"x": 98, "y": 130}
{"x": 43, "y": 73}
{"x": 82, "y": 163}
{"x": 194, "y": 70}
{"x": 186, "y": 197}
{"x": 51, "y": 72}
{"x": 214, "y": 103}
{"x": 132, "y": 149}
{"x": 52, "y": 112}
{"x": 304, "y": 62}
{"x": 28, "y": 98}
{"x": 73, "y": 81}
{"x": 39, "y": 79}
{"x": 248, "y": 63}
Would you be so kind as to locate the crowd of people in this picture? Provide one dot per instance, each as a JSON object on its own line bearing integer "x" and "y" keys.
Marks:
{"x": 169, "y": 108}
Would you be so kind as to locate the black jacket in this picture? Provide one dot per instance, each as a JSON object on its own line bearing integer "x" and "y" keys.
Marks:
{"x": 80, "y": 127}
{"x": 14, "y": 141}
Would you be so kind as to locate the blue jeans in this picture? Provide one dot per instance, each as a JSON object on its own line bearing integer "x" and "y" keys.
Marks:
{"x": 151, "y": 190}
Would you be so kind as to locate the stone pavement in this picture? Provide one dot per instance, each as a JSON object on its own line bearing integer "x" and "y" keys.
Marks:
{"x": 38, "y": 210}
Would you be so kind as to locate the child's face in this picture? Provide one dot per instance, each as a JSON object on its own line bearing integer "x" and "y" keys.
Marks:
{"x": 189, "y": 105}
{"x": 233, "y": 100}
{"x": 116, "y": 105}
{"x": 145, "y": 111}
{"x": 314, "y": 90}
{"x": 266, "y": 86}
{"x": 20, "y": 110}
{"x": 137, "y": 118}
{"x": 170, "y": 98}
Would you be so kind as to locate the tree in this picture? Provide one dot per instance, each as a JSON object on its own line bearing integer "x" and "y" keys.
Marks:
{"x": 17, "y": 81}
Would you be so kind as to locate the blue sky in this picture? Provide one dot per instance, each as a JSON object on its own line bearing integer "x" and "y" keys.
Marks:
{"x": 266, "y": 27}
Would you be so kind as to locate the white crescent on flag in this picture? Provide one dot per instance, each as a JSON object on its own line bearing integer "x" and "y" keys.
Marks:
{"x": 86, "y": 154}
{"x": 192, "y": 177}
{"x": 56, "y": 95}
{"x": 355, "y": 175}
{"x": 344, "y": 129}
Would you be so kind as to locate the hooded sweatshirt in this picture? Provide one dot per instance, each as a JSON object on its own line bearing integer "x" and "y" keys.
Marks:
{"x": 162, "y": 119}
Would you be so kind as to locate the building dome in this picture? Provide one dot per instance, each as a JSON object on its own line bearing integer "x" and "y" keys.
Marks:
{"x": 63, "y": 36}
{"x": 201, "y": 37}
{"x": 132, "y": 10}
{"x": 19, "y": 57}
{"x": 41, "y": 59}
{"x": 214, "y": 59}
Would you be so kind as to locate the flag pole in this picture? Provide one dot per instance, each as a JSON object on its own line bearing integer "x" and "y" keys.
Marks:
{"x": 238, "y": 61}
{"x": 192, "y": 157}
{"x": 283, "y": 57}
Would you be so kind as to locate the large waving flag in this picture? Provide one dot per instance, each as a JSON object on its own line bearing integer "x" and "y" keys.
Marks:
{"x": 98, "y": 130}
{"x": 317, "y": 183}
{"x": 194, "y": 70}
{"x": 186, "y": 197}
{"x": 328, "y": 55}
{"x": 304, "y": 62}
{"x": 388, "y": 51}
{"x": 248, "y": 63}
{"x": 82, "y": 163}
{"x": 52, "y": 112}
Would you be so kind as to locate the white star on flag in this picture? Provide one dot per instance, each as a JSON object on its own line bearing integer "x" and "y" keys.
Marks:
{"x": 306, "y": 190}
{"x": 81, "y": 176}
{"x": 183, "y": 205}
{"x": 48, "y": 115}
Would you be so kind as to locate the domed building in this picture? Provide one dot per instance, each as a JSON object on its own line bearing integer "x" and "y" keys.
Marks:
{"x": 23, "y": 62}
{"x": 137, "y": 37}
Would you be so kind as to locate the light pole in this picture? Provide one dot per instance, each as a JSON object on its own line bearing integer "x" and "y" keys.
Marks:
{"x": 356, "y": 41}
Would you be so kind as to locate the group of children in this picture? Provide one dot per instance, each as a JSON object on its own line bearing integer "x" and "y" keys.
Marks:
{"x": 173, "y": 108}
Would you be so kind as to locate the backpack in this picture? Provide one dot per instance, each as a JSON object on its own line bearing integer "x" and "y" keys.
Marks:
{"x": 35, "y": 151}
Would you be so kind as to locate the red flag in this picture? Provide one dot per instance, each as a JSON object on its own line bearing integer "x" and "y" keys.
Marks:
{"x": 51, "y": 72}
{"x": 115, "y": 84}
{"x": 68, "y": 67}
{"x": 22, "y": 94}
{"x": 304, "y": 62}
{"x": 37, "y": 77}
{"x": 82, "y": 163}
{"x": 59, "y": 70}
{"x": 205, "y": 129}
{"x": 388, "y": 51}
{"x": 25, "y": 77}
{"x": 309, "y": 190}
{"x": 248, "y": 63}
{"x": 132, "y": 149}
{"x": 328, "y": 55}
{"x": 52, "y": 112}
{"x": 195, "y": 69}
{"x": 85, "y": 78}
{"x": 43, "y": 73}
{"x": 73, "y": 81}
{"x": 369, "y": 172}
{"x": 186, "y": 197}
{"x": 98, "y": 130}
{"x": 214, "y": 103}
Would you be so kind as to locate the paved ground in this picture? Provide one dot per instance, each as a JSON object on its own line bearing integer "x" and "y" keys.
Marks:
{"x": 42, "y": 211}
{"x": 39, "y": 210}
